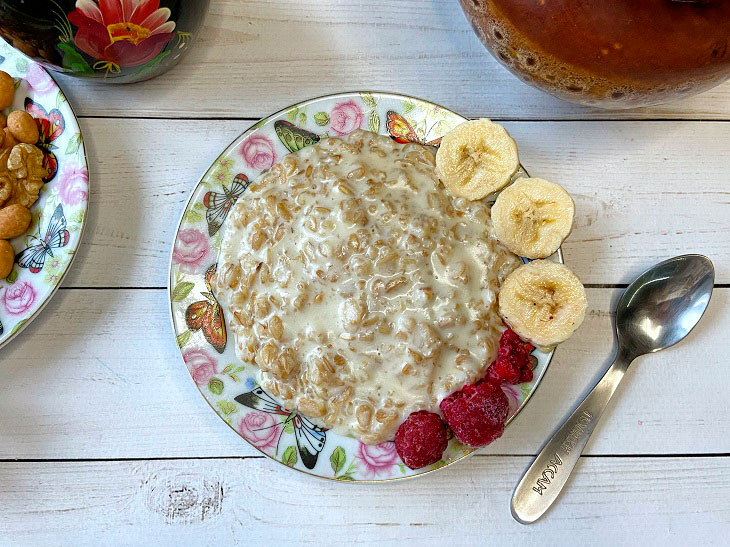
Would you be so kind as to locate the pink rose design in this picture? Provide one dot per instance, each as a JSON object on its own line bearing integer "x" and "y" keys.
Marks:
{"x": 74, "y": 186}
{"x": 19, "y": 298}
{"x": 191, "y": 250}
{"x": 258, "y": 152}
{"x": 346, "y": 117}
{"x": 376, "y": 459}
{"x": 40, "y": 80}
{"x": 260, "y": 429}
{"x": 513, "y": 397}
{"x": 201, "y": 365}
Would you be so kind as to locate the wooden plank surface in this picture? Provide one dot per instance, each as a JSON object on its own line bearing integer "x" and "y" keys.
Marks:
{"x": 641, "y": 501}
{"x": 98, "y": 375}
{"x": 644, "y": 191}
{"x": 255, "y": 57}
{"x": 105, "y": 439}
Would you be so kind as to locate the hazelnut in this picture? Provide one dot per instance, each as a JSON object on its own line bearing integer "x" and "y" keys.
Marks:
{"x": 7, "y": 90}
{"x": 8, "y": 140}
{"x": 7, "y": 258}
{"x": 14, "y": 221}
{"x": 22, "y": 126}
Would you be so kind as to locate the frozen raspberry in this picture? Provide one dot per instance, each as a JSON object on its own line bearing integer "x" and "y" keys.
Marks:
{"x": 421, "y": 439}
{"x": 477, "y": 413}
{"x": 514, "y": 363}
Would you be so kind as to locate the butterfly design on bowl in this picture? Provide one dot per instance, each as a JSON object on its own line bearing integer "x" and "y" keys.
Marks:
{"x": 207, "y": 315}
{"x": 57, "y": 236}
{"x": 310, "y": 438}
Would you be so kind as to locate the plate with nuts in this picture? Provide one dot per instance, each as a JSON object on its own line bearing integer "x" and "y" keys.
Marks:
{"x": 330, "y": 187}
{"x": 44, "y": 189}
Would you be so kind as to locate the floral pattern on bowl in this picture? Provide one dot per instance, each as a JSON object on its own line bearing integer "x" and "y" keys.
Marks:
{"x": 230, "y": 386}
{"x": 45, "y": 252}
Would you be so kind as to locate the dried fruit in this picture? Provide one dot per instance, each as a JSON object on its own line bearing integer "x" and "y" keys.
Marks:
{"x": 421, "y": 439}
{"x": 25, "y": 163}
{"x": 476, "y": 414}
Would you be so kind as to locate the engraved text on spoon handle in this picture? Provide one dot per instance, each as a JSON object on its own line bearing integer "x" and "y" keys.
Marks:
{"x": 548, "y": 473}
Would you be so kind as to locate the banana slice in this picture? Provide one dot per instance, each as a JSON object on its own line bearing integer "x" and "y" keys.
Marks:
{"x": 544, "y": 302}
{"x": 476, "y": 159}
{"x": 532, "y": 217}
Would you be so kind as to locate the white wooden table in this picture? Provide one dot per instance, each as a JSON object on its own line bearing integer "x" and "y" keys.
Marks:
{"x": 104, "y": 438}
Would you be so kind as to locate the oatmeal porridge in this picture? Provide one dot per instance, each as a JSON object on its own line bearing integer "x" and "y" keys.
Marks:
{"x": 361, "y": 289}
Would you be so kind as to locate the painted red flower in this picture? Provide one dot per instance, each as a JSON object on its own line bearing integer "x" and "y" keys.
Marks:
{"x": 121, "y": 32}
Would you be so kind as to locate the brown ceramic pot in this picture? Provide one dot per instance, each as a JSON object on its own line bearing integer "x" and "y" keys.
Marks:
{"x": 613, "y": 54}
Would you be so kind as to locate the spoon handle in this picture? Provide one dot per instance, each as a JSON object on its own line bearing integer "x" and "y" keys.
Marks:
{"x": 548, "y": 473}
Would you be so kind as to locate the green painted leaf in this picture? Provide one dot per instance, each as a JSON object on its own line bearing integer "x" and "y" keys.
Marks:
{"x": 73, "y": 61}
{"x": 526, "y": 389}
{"x": 193, "y": 216}
{"x": 258, "y": 124}
{"x": 228, "y": 368}
{"x": 344, "y": 478}
{"x": 181, "y": 290}
{"x": 151, "y": 66}
{"x": 12, "y": 276}
{"x": 74, "y": 144}
{"x": 183, "y": 338}
{"x": 402, "y": 468}
{"x": 337, "y": 459}
{"x": 78, "y": 217}
{"x": 21, "y": 64}
{"x": 302, "y": 118}
{"x": 289, "y": 457}
{"x": 199, "y": 206}
{"x": 18, "y": 326}
{"x": 227, "y": 407}
{"x": 374, "y": 122}
{"x": 218, "y": 241}
{"x": 289, "y": 427}
{"x": 368, "y": 99}
{"x": 439, "y": 464}
{"x": 321, "y": 118}
{"x": 292, "y": 114}
{"x": 407, "y": 106}
{"x": 240, "y": 369}
{"x": 234, "y": 377}
{"x": 216, "y": 386}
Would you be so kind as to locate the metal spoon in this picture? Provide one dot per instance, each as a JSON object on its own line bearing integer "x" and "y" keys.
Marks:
{"x": 656, "y": 311}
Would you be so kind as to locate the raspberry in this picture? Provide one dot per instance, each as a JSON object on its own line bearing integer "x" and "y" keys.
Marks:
{"x": 477, "y": 413}
{"x": 514, "y": 363}
{"x": 421, "y": 439}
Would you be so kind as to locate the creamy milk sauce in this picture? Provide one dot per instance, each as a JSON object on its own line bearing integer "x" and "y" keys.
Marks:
{"x": 359, "y": 287}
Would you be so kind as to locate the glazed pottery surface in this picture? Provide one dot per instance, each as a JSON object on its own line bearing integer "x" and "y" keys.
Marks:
{"x": 617, "y": 54}
{"x": 116, "y": 41}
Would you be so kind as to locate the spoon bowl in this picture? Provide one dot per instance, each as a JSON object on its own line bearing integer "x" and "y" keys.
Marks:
{"x": 664, "y": 304}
